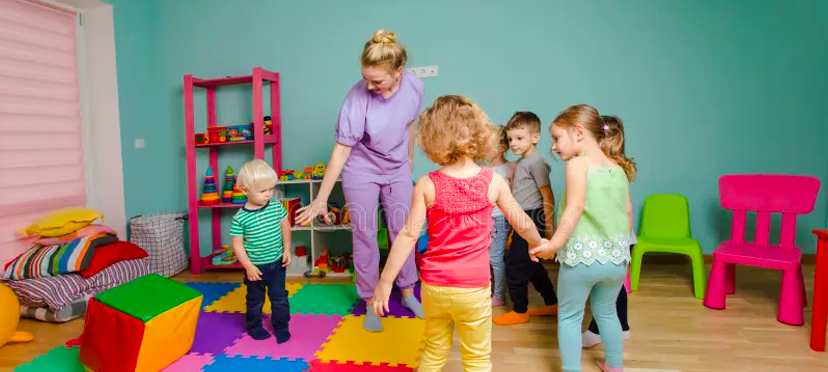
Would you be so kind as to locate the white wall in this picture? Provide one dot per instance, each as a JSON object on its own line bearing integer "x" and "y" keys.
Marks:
{"x": 99, "y": 87}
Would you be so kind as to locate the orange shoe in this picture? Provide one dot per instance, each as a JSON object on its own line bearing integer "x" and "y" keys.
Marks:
{"x": 543, "y": 311}
{"x": 511, "y": 318}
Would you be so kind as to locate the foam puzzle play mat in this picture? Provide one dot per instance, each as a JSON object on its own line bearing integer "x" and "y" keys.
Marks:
{"x": 326, "y": 333}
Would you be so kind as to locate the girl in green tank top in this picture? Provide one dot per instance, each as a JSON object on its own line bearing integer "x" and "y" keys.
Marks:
{"x": 594, "y": 224}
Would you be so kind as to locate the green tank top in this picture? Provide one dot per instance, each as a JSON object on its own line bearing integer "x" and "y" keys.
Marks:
{"x": 603, "y": 232}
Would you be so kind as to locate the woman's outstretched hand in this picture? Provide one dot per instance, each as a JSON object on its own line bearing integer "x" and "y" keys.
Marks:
{"x": 307, "y": 213}
{"x": 379, "y": 303}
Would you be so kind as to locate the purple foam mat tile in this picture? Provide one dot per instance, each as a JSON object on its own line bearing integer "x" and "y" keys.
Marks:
{"x": 217, "y": 331}
{"x": 395, "y": 306}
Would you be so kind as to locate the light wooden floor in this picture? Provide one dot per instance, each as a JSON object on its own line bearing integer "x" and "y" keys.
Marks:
{"x": 671, "y": 331}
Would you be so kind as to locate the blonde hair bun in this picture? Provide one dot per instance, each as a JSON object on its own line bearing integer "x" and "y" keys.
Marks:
{"x": 383, "y": 36}
{"x": 383, "y": 49}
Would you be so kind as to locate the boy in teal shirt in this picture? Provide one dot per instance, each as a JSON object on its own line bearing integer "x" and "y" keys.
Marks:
{"x": 261, "y": 240}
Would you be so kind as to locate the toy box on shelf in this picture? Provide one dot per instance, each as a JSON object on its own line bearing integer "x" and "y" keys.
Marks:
{"x": 232, "y": 133}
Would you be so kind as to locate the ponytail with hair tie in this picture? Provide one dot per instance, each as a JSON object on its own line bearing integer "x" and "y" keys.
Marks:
{"x": 612, "y": 143}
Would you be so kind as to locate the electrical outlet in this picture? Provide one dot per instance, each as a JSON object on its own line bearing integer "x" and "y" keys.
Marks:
{"x": 139, "y": 143}
{"x": 424, "y": 72}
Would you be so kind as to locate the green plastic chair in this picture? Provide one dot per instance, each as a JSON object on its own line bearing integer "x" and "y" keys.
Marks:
{"x": 382, "y": 235}
{"x": 665, "y": 228}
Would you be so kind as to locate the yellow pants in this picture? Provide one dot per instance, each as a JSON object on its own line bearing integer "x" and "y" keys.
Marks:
{"x": 470, "y": 309}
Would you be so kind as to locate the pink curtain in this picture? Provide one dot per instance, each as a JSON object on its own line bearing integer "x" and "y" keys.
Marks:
{"x": 41, "y": 134}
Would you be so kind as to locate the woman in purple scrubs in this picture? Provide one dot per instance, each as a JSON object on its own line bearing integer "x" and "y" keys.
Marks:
{"x": 373, "y": 151}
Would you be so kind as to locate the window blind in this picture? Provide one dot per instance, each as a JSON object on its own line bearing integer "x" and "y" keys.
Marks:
{"x": 41, "y": 132}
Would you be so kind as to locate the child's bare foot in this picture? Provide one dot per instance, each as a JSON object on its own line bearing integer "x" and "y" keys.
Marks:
{"x": 498, "y": 302}
{"x": 606, "y": 368}
{"x": 511, "y": 318}
{"x": 543, "y": 310}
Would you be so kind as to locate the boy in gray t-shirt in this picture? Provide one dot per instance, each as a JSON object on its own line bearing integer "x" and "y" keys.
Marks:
{"x": 532, "y": 175}
{"x": 533, "y": 192}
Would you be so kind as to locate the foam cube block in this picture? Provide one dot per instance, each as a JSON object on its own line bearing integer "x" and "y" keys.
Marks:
{"x": 141, "y": 326}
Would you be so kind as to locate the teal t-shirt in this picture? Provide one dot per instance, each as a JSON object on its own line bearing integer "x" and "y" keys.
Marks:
{"x": 262, "y": 232}
{"x": 603, "y": 232}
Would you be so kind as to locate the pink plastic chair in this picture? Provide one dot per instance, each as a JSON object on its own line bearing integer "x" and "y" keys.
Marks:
{"x": 627, "y": 282}
{"x": 765, "y": 194}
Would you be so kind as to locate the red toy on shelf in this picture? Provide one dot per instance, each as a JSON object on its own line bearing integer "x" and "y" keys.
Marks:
{"x": 258, "y": 79}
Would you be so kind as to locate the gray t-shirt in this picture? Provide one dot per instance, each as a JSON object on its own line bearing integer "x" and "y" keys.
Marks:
{"x": 531, "y": 174}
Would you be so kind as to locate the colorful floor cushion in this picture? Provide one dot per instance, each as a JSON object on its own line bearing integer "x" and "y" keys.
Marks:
{"x": 45, "y": 261}
{"x": 55, "y": 292}
{"x": 109, "y": 254}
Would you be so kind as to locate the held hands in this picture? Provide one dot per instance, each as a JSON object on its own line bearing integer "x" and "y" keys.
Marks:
{"x": 253, "y": 273}
{"x": 285, "y": 259}
{"x": 544, "y": 251}
{"x": 381, "y": 295}
{"x": 310, "y": 211}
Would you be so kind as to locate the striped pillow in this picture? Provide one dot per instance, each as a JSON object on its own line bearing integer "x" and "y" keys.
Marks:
{"x": 53, "y": 260}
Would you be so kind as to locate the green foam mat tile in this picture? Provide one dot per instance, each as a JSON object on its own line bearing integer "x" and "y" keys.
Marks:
{"x": 59, "y": 359}
{"x": 327, "y": 299}
{"x": 148, "y": 296}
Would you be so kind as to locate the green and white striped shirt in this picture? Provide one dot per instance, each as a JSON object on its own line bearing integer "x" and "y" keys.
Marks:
{"x": 262, "y": 232}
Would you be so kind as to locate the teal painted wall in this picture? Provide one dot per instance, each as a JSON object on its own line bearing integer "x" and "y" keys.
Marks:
{"x": 705, "y": 88}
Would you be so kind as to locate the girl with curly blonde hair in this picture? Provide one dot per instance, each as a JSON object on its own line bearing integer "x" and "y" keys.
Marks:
{"x": 457, "y": 202}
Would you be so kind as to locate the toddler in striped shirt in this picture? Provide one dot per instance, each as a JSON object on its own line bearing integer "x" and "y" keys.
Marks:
{"x": 260, "y": 232}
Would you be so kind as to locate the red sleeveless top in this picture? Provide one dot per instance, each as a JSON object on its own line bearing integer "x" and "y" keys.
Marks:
{"x": 459, "y": 230}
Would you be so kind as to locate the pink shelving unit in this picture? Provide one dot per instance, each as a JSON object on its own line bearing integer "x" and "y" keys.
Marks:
{"x": 257, "y": 79}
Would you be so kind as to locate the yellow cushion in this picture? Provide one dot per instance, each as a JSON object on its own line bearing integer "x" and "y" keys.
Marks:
{"x": 63, "y": 221}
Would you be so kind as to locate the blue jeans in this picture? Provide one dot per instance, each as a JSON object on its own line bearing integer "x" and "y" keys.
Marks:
{"x": 500, "y": 234}
{"x": 273, "y": 282}
{"x": 600, "y": 283}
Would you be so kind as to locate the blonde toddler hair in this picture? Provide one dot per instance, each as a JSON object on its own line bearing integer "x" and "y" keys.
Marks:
{"x": 383, "y": 49}
{"x": 256, "y": 174}
{"x": 454, "y": 127}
